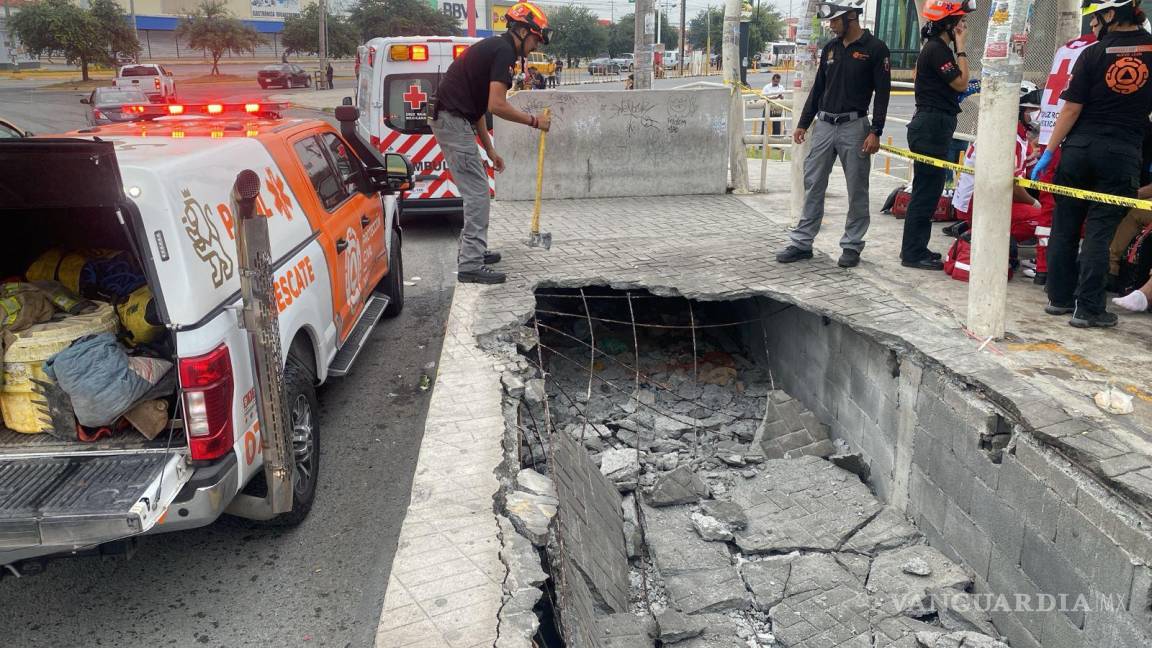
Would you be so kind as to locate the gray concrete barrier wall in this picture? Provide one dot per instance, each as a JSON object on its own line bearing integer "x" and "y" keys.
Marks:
{"x": 1020, "y": 517}
{"x": 617, "y": 144}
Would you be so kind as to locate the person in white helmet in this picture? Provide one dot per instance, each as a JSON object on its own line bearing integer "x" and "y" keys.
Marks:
{"x": 1099, "y": 132}
{"x": 854, "y": 71}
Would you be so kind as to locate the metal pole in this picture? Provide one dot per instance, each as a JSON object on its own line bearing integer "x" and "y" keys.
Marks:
{"x": 1001, "y": 73}
{"x": 643, "y": 37}
{"x": 683, "y": 32}
{"x": 323, "y": 47}
{"x": 131, "y": 9}
{"x": 738, "y": 157}
{"x": 656, "y": 8}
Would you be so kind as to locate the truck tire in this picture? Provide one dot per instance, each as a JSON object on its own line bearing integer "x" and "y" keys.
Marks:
{"x": 393, "y": 284}
{"x": 303, "y": 415}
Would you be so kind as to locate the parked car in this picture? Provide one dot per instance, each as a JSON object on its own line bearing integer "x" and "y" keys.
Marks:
{"x": 603, "y": 66}
{"x": 285, "y": 75}
{"x": 153, "y": 80}
{"x": 8, "y": 130}
{"x": 543, "y": 64}
{"x": 105, "y": 105}
{"x": 628, "y": 60}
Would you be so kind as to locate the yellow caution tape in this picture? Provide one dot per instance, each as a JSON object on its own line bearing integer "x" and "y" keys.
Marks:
{"x": 1071, "y": 192}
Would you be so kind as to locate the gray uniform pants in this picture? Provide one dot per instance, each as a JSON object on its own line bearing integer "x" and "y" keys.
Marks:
{"x": 458, "y": 142}
{"x": 826, "y": 143}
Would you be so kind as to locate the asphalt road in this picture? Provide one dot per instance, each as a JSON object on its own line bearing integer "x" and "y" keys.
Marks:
{"x": 227, "y": 585}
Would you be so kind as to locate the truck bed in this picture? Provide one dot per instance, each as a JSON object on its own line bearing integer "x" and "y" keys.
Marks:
{"x": 13, "y": 444}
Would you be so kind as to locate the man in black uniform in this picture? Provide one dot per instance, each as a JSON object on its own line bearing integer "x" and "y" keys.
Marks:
{"x": 941, "y": 74}
{"x": 475, "y": 84}
{"x": 1105, "y": 114}
{"x": 852, "y": 67}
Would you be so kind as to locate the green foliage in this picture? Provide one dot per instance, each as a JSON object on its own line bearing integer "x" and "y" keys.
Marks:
{"x": 622, "y": 35}
{"x": 302, "y": 34}
{"x": 212, "y": 28}
{"x": 82, "y": 36}
{"x": 576, "y": 33}
{"x": 767, "y": 26}
{"x": 400, "y": 18}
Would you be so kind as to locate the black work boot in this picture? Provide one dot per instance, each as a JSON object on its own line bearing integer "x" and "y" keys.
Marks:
{"x": 849, "y": 258}
{"x": 792, "y": 254}
{"x": 1083, "y": 319}
{"x": 1040, "y": 279}
{"x": 1059, "y": 309}
{"x": 484, "y": 275}
{"x": 491, "y": 258}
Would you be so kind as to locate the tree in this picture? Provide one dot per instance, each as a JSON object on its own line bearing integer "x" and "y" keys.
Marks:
{"x": 707, "y": 20}
{"x": 302, "y": 34}
{"x": 577, "y": 33}
{"x": 766, "y": 26}
{"x": 622, "y": 35}
{"x": 400, "y": 18}
{"x": 82, "y": 36}
{"x": 212, "y": 28}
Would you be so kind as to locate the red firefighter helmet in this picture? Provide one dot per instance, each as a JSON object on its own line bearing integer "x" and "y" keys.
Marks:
{"x": 532, "y": 17}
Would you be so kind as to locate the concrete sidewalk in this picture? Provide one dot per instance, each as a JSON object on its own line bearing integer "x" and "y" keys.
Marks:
{"x": 455, "y": 567}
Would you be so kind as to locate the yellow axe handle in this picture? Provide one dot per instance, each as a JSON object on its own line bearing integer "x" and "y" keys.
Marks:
{"x": 539, "y": 179}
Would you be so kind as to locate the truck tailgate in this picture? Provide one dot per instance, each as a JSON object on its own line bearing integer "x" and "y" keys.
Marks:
{"x": 84, "y": 500}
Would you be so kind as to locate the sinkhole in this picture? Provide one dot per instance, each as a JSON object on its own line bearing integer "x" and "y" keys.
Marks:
{"x": 749, "y": 473}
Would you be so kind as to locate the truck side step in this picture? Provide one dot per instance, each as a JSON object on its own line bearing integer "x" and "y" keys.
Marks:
{"x": 71, "y": 500}
{"x": 348, "y": 353}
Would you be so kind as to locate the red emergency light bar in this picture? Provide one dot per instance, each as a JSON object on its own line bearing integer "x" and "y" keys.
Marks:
{"x": 215, "y": 109}
{"x": 408, "y": 52}
{"x": 457, "y": 50}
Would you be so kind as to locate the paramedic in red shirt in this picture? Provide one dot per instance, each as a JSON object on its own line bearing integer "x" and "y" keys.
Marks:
{"x": 475, "y": 84}
{"x": 1025, "y": 208}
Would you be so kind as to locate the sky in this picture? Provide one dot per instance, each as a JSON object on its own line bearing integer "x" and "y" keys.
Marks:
{"x": 604, "y": 8}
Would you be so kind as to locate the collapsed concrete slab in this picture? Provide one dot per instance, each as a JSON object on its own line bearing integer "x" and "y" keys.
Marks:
{"x": 674, "y": 546}
{"x": 707, "y": 590}
{"x": 888, "y": 530}
{"x": 902, "y": 586}
{"x": 805, "y": 503}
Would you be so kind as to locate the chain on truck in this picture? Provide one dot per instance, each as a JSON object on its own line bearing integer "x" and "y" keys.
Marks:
{"x": 174, "y": 290}
{"x": 396, "y": 84}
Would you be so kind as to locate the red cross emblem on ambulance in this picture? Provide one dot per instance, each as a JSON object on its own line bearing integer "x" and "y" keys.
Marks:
{"x": 415, "y": 97}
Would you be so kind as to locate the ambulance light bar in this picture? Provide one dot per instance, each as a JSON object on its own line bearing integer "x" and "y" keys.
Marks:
{"x": 165, "y": 110}
{"x": 408, "y": 53}
{"x": 457, "y": 50}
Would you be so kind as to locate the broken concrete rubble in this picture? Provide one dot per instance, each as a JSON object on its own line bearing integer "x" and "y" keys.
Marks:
{"x": 531, "y": 514}
{"x": 710, "y": 528}
{"x": 957, "y": 640}
{"x": 766, "y": 580}
{"x": 707, "y": 590}
{"x": 888, "y": 530}
{"x": 622, "y": 467}
{"x": 517, "y": 619}
{"x": 959, "y": 612}
{"x": 633, "y": 537}
{"x": 674, "y": 546}
{"x": 626, "y": 631}
{"x": 900, "y": 592}
{"x": 530, "y": 481}
{"x": 676, "y": 626}
{"x": 680, "y": 486}
{"x": 805, "y": 503}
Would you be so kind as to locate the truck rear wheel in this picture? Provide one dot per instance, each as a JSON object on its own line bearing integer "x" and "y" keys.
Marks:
{"x": 393, "y": 284}
{"x": 303, "y": 418}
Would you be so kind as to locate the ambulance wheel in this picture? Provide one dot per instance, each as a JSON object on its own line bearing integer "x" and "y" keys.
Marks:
{"x": 393, "y": 284}
{"x": 304, "y": 418}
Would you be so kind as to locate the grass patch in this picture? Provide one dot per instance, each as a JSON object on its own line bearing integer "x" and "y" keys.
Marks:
{"x": 76, "y": 84}
{"x": 219, "y": 78}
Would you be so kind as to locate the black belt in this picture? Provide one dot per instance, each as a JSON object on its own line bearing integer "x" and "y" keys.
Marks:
{"x": 841, "y": 118}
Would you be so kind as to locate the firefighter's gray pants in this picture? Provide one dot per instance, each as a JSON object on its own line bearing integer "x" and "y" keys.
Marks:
{"x": 827, "y": 142}
{"x": 462, "y": 154}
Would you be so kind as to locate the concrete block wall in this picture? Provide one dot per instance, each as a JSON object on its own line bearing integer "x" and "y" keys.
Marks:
{"x": 1021, "y": 518}
{"x": 611, "y": 144}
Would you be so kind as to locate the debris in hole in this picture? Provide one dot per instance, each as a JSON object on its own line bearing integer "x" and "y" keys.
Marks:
{"x": 710, "y": 528}
{"x": 531, "y": 514}
{"x": 680, "y": 486}
{"x": 916, "y": 567}
{"x": 929, "y": 639}
{"x": 959, "y": 612}
{"x": 676, "y": 626}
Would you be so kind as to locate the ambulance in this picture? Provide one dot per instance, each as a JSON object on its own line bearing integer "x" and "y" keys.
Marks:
{"x": 396, "y": 83}
{"x": 250, "y": 325}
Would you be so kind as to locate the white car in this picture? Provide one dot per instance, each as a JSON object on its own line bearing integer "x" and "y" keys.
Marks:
{"x": 174, "y": 197}
{"x": 154, "y": 80}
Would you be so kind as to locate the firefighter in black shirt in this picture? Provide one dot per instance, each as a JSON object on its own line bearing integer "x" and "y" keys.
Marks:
{"x": 475, "y": 84}
{"x": 1106, "y": 107}
{"x": 853, "y": 67}
{"x": 941, "y": 73}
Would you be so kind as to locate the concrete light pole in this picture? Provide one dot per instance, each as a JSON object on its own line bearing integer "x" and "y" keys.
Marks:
{"x": 643, "y": 37}
{"x": 683, "y": 32}
{"x": 1002, "y": 71}
{"x": 738, "y": 156}
{"x": 323, "y": 47}
{"x": 806, "y": 59}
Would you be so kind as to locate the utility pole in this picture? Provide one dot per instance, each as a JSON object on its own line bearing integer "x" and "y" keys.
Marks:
{"x": 643, "y": 37}
{"x": 323, "y": 6}
{"x": 737, "y": 155}
{"x": 656, "y": 7}
{"x": 131, "y": 10}
{"x": 807, "y": 55}
{"x": 1002, "y": 71}
{"x": 1068, "y": 22}
{"x": 708, "y": 44}
{"x": 683, "y": 32}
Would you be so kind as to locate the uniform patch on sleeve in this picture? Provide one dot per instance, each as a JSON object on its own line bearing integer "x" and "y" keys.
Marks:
{"x": 947, "y": 68}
